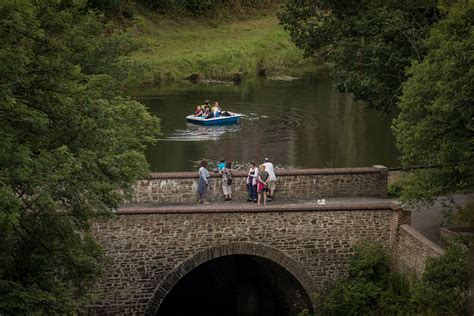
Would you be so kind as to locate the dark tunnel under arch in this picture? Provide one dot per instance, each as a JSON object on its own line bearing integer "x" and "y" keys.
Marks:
{"x": 266, "y": 254}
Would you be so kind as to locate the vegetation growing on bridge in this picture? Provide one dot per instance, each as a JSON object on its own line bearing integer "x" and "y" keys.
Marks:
{"x": 371, "y": 289}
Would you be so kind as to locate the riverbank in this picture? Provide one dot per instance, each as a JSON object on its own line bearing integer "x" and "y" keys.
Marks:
{"x": 177, "y": 48}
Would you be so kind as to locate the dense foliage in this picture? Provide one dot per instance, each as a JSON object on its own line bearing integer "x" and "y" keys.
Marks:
{"x": 414, "y": 54}
{"x": 444, "y": 287}
{"x": 371, "y": 289}
{"x": 193, "y": 7}
{"x": 436, "y": 121}
{"x": 69, "y": 151}
{"x": 368, "y": 44}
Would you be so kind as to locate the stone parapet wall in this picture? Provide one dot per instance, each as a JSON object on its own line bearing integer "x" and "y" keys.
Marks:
{"x": 181, "y": 187}
{"x": 413, "y": 250}
{"x": 149, "y": 252}
{"x": 401, "y": 217}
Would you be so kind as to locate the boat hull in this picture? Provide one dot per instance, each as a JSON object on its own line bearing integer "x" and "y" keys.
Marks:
{"x": 223, "y": 120}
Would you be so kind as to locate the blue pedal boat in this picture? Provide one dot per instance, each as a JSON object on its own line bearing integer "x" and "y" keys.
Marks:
{"x": 222, "y": 120}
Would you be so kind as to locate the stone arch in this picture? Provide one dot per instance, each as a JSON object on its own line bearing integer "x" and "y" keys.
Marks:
{"x": 237, "y": 248}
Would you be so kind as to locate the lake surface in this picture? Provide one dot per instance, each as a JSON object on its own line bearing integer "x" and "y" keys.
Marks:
{"x": 302, "y": 123}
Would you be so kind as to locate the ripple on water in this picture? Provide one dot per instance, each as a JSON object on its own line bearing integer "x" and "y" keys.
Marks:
{"x": 194, "y": 133}
{"x": 274, "y": 121}
{"x": 259, "y": 119}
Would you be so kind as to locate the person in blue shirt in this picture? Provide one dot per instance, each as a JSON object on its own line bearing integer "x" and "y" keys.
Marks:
{"x": 221, "y": 165}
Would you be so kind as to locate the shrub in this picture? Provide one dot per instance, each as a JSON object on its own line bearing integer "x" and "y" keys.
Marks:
{"x": 360, "y": 292}
{"x": 371, "y": 289}
{"x": 465, "y": 216}
{"x": 444, "y": 286}
{"x": 395, "y": 299}
{"x": 370, "y": 262}
{"x": 394, "y": 190}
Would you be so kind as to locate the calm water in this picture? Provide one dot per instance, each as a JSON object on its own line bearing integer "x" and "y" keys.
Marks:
{"x": 297, "y": 123}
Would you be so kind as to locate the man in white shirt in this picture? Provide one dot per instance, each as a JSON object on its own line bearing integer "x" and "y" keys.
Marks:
{"x": 271, "y": 186}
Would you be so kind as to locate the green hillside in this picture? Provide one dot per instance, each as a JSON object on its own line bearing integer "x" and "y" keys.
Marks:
{"x": 178, "y": 47}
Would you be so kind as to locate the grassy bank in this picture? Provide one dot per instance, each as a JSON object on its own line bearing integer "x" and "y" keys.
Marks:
{"x": 177, "y": 48}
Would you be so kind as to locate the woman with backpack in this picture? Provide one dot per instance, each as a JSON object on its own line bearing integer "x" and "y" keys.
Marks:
{"x": 227, "y": 181}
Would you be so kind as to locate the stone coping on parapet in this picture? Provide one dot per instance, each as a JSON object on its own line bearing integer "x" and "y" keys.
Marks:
{"x": 278, "y": 172}
{"x": 422, "y": 239}
{"x": 340, "y": 205}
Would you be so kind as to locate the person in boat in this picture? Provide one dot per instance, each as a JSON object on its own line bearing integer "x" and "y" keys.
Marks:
{"x": 209, "y": 115}
{"x": 206, "y": 105}
{"x": 216, "y": 110}
{"x": 206, "y": 113}
{"x": 198, "y": 111}
{"x": 216, "y": 105}
{"x": 206, "y": 109}
{"x": 221, "y": 113}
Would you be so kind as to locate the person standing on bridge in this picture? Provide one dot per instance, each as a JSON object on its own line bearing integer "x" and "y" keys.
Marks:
{"x": 252, "y": 183}
{"x": 221, "y": 165}
{"x": 262, "y": 183}
{"x": 227, "y": 181}
{"x": 272, "y": 184}
{"x": 203, "y": 182}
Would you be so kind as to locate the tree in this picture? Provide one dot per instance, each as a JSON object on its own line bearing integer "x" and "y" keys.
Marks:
{"x": 436, "y": 120}
{"x": 70, "y": 148}
{"x": 368, "y": 44}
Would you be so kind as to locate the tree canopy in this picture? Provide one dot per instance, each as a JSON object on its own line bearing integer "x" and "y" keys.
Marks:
{"x": 416, "y": 55}
{"x": 436, "y": 121}
{"x": 368, "y": 44}
{"x": 70, "y": 149}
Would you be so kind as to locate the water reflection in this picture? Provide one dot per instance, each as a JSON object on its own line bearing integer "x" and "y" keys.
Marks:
{"x": 194, "y": 133}
{"x": 301, "y": 123}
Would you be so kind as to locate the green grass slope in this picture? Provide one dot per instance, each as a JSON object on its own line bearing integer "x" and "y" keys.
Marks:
{"x": 176, "y": 48}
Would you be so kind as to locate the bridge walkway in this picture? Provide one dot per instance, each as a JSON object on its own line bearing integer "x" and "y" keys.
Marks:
{"x": 331, "y": 203}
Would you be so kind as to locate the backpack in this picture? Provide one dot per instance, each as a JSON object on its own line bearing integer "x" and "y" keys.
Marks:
{"x": 229, "y": 177}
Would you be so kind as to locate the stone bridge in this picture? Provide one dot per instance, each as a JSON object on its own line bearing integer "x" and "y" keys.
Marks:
{"x": 293, "y": 246}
